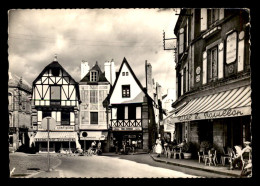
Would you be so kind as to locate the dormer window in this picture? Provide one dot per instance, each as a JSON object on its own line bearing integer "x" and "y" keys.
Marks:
{"x": 93, "y": 76}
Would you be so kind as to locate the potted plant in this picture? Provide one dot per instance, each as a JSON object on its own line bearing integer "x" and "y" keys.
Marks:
{"x": 187, "y": 150}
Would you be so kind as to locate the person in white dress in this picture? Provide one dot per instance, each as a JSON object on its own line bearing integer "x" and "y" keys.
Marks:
{"x": 158, "y": 147}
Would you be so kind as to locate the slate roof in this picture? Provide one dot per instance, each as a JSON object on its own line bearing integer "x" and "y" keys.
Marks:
{"x": 101, "y": 75}
{"x": 14, "y": 81}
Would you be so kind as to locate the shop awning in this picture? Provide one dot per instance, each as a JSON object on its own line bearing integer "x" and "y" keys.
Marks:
{"x": 93, "y": 135}
{"x": 56, "y": 136}
{"x": 231, "y": 103}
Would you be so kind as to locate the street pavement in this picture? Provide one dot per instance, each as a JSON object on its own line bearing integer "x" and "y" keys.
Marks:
{"x": 106, "y": 166}
{"x": 110, "y": 167}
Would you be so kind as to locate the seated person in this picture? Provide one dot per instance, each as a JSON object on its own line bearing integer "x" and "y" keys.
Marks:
{"x": 238, "y": 161}
{"x": 181, "y": 144}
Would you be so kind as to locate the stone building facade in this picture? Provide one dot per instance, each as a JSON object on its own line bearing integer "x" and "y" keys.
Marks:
{"x": 19, "y": 98}
{"x": 213, "y": 77}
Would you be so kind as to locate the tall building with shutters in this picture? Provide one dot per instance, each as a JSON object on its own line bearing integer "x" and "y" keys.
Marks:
{"x": 94, "y": 88}
{"x": 56, "y": 94}
{"x": 213, "y": 77}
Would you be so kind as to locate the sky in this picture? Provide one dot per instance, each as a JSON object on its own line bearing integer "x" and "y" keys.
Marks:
{"x": 36, "y": 35}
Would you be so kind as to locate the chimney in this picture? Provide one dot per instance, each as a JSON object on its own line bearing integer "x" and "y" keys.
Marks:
{"x": 84, "y": 68}
{"x": 110, "y": 73}
{"x": 149, "y": 80}
{"x": 159, "y": 91}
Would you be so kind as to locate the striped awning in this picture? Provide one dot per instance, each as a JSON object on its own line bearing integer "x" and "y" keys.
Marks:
{"x": 231, "y": 103}
{"x": 56, "y": 136}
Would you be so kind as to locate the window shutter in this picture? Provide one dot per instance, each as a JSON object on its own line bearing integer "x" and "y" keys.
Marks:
{"x": 221, "y": 13}
{"x": 241, "y": 52}
{"x": 220, "y": 61}
{"x": 203, "y": 19}
{"x": 181, "y": 41}
{"x": 138, "y": 112}
{"x": 181, "y": 81}
{"x": 204, "y": 80}
{"x": 126, "y": 112}
{"x": 114, "y": 113}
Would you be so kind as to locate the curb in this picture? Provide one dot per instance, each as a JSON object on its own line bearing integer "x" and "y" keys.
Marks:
{"x": 197, "y": 168}
{"x": 51, "y": 169}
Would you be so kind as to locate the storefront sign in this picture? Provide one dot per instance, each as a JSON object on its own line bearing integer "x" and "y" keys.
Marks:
{"x": 215, "y": 114}
{"x": 55, "y": 139}
{"x": 231, "y": 51}
{"x": 127, "y": 128}
{"x": 67, "y": 128}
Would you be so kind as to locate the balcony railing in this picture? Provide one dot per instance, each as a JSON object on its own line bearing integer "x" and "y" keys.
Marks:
{"x": 126, "y": 123}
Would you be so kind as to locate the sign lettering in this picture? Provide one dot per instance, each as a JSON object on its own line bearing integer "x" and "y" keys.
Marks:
{"x": 231, "y": 50}
{"x": 215, "y": 114}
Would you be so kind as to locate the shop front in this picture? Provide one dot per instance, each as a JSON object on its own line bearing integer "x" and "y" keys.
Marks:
{"x": 59, "y": 141}
{"x": 130, "y": 138}
{"x": 87, "y": 137}
{"x": 223, "y": 118}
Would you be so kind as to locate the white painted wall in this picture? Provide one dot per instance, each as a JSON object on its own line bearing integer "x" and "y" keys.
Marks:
{"x": 136, "y": 94}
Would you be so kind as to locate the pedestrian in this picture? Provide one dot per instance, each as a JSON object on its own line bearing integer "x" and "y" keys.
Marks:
{"x": 116, "y": 146}
{"x": 99, "y": 148}
{"x": 158, "y": 147}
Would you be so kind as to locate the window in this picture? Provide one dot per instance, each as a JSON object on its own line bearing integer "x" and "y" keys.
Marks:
{"x": 213, "y": 64}
{"x": 10, "y": 100}
{"x": 125, "y": 91}
{"x": 93, "y": 117}
{"x": 213, "y": 16}
{"x": 46, "y": 113}
{"x": 55, "y": 95}
{"x": 181, "y": 41}
{"x": 123, "y": 73}
{"x": 93, "y": 96}
{"x": 93, "y": 76}
{"x": 131, "y": 112}
{"x": 65, "y": 118}
{"x": 126, "y": 73}
{"x": 184, "y": 80}
{"x": 55, "y": 71}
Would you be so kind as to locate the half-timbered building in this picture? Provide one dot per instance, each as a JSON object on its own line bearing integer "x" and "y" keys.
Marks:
{"x": 56, "y": 94}
{"x": 131, "y": 109}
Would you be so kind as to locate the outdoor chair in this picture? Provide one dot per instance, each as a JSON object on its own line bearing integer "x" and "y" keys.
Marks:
{"x": 231, "y": 154}
{"x": 177, "y": 152}
{"x": 211, "y": 158}
{"x": 201, "y": 155}
{"x": 224, "y": 157}
{"x": 168, "y": 153}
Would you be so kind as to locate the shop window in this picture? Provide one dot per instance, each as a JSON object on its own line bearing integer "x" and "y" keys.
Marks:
{"x": 93, "y": 76}
{"x": 65, "y": 118}
{"x": 55, "y": 96}
{"x": 212, "y": 64}
{"x": 125, "y": 91}
{"x": 93, "y": 117}
{"x": 11, "y": 141}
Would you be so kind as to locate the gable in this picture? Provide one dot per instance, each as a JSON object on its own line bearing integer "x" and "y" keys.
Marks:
{"x": 136, "y": 89}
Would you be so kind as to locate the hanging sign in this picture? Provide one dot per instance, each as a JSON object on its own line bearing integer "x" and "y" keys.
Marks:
{"x": 231, "y": 49}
